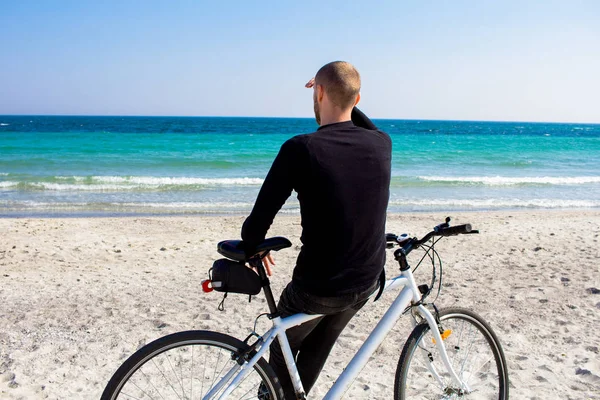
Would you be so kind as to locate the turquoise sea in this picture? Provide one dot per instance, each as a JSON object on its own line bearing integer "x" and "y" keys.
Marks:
{"x": 80, "y": 166}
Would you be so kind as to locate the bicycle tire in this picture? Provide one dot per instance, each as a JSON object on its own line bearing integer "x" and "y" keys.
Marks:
{"x": 488, "y": 381}
{"x": 156, "y": 370}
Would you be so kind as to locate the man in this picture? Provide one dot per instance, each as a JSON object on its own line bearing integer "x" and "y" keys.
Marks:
{"x": 341, "y": 173}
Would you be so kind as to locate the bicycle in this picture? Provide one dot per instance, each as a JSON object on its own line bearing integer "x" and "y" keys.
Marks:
{"x": 450, "y": 354}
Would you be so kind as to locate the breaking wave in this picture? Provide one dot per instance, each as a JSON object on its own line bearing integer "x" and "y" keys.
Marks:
{"x": 124, "y": 183}
{"x": 505, "y": 181}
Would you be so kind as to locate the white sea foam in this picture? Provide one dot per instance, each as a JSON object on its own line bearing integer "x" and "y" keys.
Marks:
{"x": 61, "y": 186}
{"x": 171, "y": 207}
{"x": 8, "y": 184}
{"x": 70, "y": 187}
{"x": 3, "y": 124}
{"x": 72, "y": 178}
{"x": 151, "y": 180}
{"x": 3, "y": 173}
{"x": 498, "y": 203}
{"x": 180, "y": 181}
{"x": 124, "y": 183}
{"x": 288, "y": 208}
{"x": 195, "y": 205}
{"x": 235, "y": 207}
{"x": 505, "y": 180}
{"x": 42, "y": 204}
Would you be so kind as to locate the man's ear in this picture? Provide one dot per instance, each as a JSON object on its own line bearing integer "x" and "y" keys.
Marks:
{"x": 357, "y": 99}
{"x": 320, "y": 93}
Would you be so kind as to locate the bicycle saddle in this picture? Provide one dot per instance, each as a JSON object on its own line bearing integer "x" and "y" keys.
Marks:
{"x": 234, "y": 249}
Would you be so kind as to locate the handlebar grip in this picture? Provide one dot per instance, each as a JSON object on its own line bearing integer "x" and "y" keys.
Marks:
{"x": 455, "y": 230}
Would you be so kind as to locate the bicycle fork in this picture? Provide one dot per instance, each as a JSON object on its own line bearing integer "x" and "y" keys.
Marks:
{"x": 405, "y": 271}
{"x": 439, "y": 343}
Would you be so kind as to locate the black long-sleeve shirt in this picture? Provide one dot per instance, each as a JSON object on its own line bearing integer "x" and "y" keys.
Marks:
{"x": 341, "y": 173}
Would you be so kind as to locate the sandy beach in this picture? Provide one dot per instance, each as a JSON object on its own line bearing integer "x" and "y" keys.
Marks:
{"x": 78, "y": 296}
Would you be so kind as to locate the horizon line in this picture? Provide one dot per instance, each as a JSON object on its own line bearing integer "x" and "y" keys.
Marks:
{"x": 280, "y": 117}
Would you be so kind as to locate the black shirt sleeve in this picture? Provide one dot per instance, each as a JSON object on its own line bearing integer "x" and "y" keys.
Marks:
{"x": 361, "y": 120}
{"x": 276, "y": 189}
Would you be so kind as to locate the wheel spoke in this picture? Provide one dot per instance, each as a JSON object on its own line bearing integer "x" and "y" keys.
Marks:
{"x": 214, "y": 373}
{"x": 151, "y": 384}
{"x": 202, "y": 377}
{"x": 223, "y": 384}
{"x": 176, "y": 377}
{"x": 166, "y": 379}
{"x": 132, "y": 397}
{"x": 243, "y": 397}
{"x": 160, "y": 372}
{"x": 482, "y": 365}
{"x": 462, "y": 367}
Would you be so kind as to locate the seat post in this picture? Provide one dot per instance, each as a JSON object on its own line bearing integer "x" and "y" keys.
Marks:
{"x": 266, "y": 284}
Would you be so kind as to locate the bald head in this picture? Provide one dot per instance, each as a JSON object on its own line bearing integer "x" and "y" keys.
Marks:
{"x": 341, "y": 82}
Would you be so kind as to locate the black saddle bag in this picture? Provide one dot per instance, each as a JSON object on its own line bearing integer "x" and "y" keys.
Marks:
{"x": 234, "y": 277}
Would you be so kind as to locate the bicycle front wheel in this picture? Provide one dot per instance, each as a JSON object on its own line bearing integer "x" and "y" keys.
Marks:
{"x": 190, "y": 365}
{"x": 474, "y": 352}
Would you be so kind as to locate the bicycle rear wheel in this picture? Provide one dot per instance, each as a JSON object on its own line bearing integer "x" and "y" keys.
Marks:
{"x": 475, "y": 354}
{"x": 187, "y": 365}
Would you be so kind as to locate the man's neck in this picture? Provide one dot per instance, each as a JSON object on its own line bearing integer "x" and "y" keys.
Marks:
{"x": 334, "y": 119}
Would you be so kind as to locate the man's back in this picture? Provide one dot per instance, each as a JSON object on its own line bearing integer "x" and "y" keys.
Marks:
{"x": 341, "y": 173}
{"x": 343, "y": 189}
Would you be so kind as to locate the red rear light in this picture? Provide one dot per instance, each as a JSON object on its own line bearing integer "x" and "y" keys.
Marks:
{"x": 207, "y": 286}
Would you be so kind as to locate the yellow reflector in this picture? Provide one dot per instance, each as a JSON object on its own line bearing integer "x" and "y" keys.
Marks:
{"x": 444, "y": 335}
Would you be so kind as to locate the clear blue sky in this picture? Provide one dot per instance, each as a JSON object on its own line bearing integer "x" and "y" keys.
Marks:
{"x": 474, "y": 60}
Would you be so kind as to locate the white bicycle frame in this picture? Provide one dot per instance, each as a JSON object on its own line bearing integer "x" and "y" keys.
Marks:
{"x": 409, "y": 294}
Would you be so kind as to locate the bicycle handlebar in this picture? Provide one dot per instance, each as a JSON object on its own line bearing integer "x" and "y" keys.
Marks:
{"x": 455, "y": 230}
{"x": 444, "y": 229}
